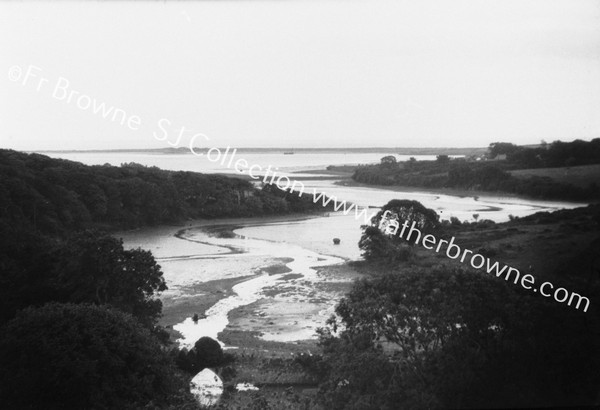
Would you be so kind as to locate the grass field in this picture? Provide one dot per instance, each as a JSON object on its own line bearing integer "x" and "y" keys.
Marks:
{"x": 580, "y": 176}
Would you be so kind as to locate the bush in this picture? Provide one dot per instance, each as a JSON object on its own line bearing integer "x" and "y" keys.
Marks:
{"x": 381, "y": 239}
{"x": 206, "y": 352}
{"x": 454, "y": 338}
{"x": 81, "y": 356}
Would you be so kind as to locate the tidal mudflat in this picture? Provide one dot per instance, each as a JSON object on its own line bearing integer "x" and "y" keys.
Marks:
{"x": 275, "y": 278}
{"x": 277, "y": 285}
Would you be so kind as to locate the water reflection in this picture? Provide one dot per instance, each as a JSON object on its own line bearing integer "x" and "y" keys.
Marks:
{"x": 206, "y": 387}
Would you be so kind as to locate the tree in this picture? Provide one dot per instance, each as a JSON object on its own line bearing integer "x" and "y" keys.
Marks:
{"x": 388, "y": 160}
{"x": 71, "y": 356}
{"x": 443, "y": 159}
{"x": 206, "y": 352}
{"x": 89, "y": 267}
{"x": 452, "y": 338}
{"x": 377, "y": 246}
{"x": 381, "y": 240}
{"x": 377, "y": 241}
{"x": 502, "y": 148}
{"x": 95, "y": 268}
{"x": 56, "y": 197}
{"x": 420, "y": 335}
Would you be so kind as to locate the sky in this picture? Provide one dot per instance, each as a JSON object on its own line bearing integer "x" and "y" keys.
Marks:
{"x": 297, "y": 73}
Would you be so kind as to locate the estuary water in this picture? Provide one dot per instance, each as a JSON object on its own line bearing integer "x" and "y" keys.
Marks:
{"x": 278, "y": 160}
{"x": 287, "y": 306}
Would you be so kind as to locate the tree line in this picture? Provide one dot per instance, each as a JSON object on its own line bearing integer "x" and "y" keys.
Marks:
{"x": 556, "y": 154}
{"x": 493, "y": 176}
{"x": 56, "y": 196}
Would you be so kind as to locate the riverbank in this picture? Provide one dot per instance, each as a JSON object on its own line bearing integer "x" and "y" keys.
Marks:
{"x": 184, "y": 299}
{"x": 200, "y": 297}
{"x": 458, "y": 192}
{"x": 282, "y": 319}
{"x": 204, "y": 260}
{"x": 208, "y": 267}
{"x": 342, "y": 175}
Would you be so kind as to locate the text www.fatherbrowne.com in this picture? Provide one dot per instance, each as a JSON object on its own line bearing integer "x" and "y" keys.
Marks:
{"x": 390, "y": 226}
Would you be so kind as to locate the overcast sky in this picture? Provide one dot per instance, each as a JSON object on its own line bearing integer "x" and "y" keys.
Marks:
{"x": 298, "y": 73}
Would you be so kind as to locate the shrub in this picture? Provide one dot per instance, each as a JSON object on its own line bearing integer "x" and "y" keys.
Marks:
{"x": 81, "y": 356}
{"x": 206, "y": 352}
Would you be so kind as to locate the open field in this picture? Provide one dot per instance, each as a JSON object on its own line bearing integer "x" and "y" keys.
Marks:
{"x": 580, "y": 176}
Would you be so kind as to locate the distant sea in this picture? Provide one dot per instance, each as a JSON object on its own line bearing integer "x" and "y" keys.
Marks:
{"x": 299, "y": 161}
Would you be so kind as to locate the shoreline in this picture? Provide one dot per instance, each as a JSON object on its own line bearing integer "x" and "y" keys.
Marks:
{"x": 177, "y": 227}
{"x": 248, "y": 323}
{"x": 210, "y": 293}
{"x": 272, "y": 310}
{"x": 457, "y": 192}
{"x": 197, "y": 298}
{"x": 344, "y": 178}
{"x": 202, "y": 296}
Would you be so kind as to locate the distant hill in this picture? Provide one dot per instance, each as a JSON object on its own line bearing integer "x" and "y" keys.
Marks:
{"x": 397, "y": 151}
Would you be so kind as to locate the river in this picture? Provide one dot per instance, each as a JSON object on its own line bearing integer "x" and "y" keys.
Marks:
{"x": 288, "y": 303}
{"x": 287, "y": 306}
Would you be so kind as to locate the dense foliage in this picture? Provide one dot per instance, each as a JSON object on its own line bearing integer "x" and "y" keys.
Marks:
{"x": 81, "y": 356}
{"x": 55, "y": 196}
{"x": 494, "y": 175}
{"x": 88, "y": 267}
{"x": 381, "y": 240}
{"x": 557, "y": 154}
{"x": 447, "y": 338}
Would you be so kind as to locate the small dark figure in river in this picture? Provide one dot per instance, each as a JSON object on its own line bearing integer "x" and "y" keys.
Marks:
{"x": 336, "y": 241}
